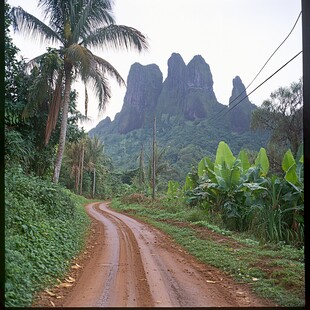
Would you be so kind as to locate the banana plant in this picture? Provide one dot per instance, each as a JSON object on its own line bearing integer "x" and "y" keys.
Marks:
{"x": 246, "y": 197}
{"x": 173, "y": 188}
{"x": 230, "y": 185}
{"x": 295, "y": 196}
{"x": 226, "y": 168}
{"x": 262, "y": 162}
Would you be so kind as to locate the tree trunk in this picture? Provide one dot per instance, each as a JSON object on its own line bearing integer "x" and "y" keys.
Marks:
{"x": 77, "y": 179}
{"x": 82, "y": 170}
{"x": 94, "y": 183}
{"x": 141, "y": 168}
{"x": 63, "y": 128}
{"x": 154, "y": 161}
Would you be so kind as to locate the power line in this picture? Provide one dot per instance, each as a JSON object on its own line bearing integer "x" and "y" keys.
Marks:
{"x": 269, "y": 58}
{"x": 259, "y": 85}
{"x": 263, "y": 65}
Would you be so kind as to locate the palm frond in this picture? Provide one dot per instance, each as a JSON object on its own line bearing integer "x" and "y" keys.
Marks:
{"x": 100, "y": 14}
{"x": 79, "y": 20}
{"x": 117, "y": 36}
{"x": 94, "y": 152}
{"x": 35, "y": 62}
{"x": 86, "y": 100}
{"x": 44, "y": 81}
{"x": 93, "y": 68}
{"x": 33, "y": 27}
{"x": 54, "y": 108}
{"x": 89, "y": 16}
{"x": 56, "y": 11}
{"x": 108, "y": 68}
{"x": 83, "y": 118}
{"x": 101, "y": 87}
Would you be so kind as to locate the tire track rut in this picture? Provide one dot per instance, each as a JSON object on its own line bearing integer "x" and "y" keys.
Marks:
{"x": 139, "y": 266}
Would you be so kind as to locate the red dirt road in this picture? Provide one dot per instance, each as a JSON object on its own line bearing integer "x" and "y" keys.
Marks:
{"x": 135, "y": 265}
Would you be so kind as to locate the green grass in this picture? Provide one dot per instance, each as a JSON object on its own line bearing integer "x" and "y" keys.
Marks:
{"x": 277, "y": 270}
{"x": 45, "y": 227}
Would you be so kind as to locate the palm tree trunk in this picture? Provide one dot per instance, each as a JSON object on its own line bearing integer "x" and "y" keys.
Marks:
{"x": 94, "y": 183}
{"x": 154, "y": 161}
{"x": 141, "y": 168}
{"x": 82, "y": 169}
{"x": 77, "y": 178}
{"x": 63, "y": 128}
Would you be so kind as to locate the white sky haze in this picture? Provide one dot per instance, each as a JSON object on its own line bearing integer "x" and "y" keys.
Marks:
{"x": 235, "y": 37}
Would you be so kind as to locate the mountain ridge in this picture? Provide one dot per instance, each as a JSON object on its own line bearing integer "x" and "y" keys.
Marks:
{"x": 190, "y": 120}
{"x": 186, "y": 94}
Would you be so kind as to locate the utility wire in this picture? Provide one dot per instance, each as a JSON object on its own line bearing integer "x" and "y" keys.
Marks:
{"x": 258, "y": 86}
{"x": 264, "y": 64}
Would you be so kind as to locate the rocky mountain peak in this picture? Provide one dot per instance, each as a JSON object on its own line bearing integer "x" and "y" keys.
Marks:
{"x": 175, "y": 60}
{"x": 176, "y": 71}
{"x": 242, "y": 108}
{"x": 185, "y": 95}
{"x": 199, "y": 74}
{"x": 144, "y": 85}
{"x": 140, "y": 80}
{"x": 200, "y": 100}
{"x": 238, "y": 89}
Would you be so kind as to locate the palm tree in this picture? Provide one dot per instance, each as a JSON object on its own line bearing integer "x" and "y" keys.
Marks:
{"x": 94, "y": 155}
{"x": 81, "y": 165}
{"x": 72, "y": 158}
{"x": 141, "y": 167}
{"x": 77, "y": 25}
{"x": 161, "y": 165}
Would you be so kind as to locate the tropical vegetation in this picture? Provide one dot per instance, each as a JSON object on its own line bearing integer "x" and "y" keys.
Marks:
{"x": 76, "y": 26}
{"x": 88, "y": 171}
{"x": 185, "y": 143}
{"x": 282, "y": 115}
{"x": 247, "y": 198}
{"x": 45, "y": 227}
{"x": 45, "y": 223}
{"x": 255, "y": 197}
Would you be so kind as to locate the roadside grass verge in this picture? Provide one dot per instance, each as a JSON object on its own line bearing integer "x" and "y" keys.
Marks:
{"x": 45, "y": 227}
{"x": 273, "y": 271}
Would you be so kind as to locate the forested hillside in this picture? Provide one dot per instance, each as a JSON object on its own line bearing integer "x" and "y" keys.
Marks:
{"x": 190, "y": 121}
{"x": 173, "y": 156}
{"x": 184, "y": 144}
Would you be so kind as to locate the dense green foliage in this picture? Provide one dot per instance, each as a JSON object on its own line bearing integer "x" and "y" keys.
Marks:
{"x": 247, "y": 198}
{"x": 185, "y": 143}
{"x": 45, "y": 226}
{"x": 75, "y": 26}
{"x": 272, "y": 271}
{"x": 88, "y": 171}
{"x": 24, "y": 137}
{"x": 282, "y": 115}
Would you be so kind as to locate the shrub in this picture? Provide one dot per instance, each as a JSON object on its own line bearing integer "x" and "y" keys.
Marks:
{"x": 247, "y": 198}
{"x": 44, "y": 230}
{"x": 135, "y": 198}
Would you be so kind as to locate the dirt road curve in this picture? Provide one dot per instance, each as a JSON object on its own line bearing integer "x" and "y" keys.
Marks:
{"x": 139, "y": 266}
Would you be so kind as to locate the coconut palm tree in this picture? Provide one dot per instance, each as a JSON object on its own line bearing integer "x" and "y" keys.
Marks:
{"x": 72, "y": 158}
{"x": 161, "y": 165}
{"x": 77, "y": 26}
{"x": 94, "y": 154}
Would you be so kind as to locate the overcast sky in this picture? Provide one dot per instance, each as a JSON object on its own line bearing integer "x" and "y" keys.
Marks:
{"x": 235, "y": 37}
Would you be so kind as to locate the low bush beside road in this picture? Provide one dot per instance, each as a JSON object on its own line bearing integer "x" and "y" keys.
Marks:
{"x": 45, "y": 227}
